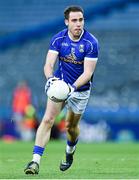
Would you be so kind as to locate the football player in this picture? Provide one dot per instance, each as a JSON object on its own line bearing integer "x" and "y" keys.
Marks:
{"x": 77, "y": 53}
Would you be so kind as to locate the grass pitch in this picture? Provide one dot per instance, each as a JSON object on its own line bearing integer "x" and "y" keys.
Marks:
{"x": 92, "y": 161}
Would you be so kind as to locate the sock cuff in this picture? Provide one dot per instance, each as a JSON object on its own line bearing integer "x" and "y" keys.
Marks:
{"x": 72, "y": 143}
{"x": 38, "y": 150}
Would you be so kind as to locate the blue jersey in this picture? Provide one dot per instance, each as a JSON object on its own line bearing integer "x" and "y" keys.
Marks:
{"x": 72, "y": 55}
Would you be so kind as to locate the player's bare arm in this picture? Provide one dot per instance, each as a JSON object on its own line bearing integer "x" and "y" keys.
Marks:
{"x": 50, "y": 63}
{"x": 89, "y": 68}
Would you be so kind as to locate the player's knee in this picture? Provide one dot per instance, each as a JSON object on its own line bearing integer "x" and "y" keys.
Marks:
{"x": 70, "y": 128}
{"x": 67, "y": 125}
{"x": 49, "y": 121}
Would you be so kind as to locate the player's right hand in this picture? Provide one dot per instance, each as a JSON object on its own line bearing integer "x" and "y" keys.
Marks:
{"x": 50, "y": 81}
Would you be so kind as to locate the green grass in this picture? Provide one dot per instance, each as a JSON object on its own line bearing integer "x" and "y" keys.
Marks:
{"x": 92, "y": 161}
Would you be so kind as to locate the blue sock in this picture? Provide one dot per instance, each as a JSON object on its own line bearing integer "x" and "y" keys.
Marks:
{"x": 69, "y": 143}
{"x": 38, "y": 150}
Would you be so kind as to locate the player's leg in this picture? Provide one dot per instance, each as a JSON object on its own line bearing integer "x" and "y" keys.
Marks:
{"x": 43, "y": 135}
{"x": 44, "y": 130}
{"x": 76, "y": 107}
{"x": 72, "y": 127}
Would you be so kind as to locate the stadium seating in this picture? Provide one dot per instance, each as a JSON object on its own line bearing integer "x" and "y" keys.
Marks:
{"x": 25, "y": 14}
{"x": 116, "y": 78}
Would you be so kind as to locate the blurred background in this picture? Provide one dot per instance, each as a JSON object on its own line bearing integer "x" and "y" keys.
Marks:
{"x": 26, "y": 28}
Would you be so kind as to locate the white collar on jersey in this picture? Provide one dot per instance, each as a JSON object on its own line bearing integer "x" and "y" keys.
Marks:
{"x": 76, "y": 39}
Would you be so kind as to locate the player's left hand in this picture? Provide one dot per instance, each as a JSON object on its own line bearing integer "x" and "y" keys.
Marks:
{"x": 49, "y": 82}
{"x": 72, "y": 89}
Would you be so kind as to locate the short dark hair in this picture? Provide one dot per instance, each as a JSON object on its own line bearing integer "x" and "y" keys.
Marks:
{"x": 72, "y": 9}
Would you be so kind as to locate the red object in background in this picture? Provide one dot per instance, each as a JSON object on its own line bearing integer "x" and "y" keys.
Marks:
{"x": 8, "y": 138}
{"x": 61, "y": 126}
{"x": 30, "y": 123}
{"x": 21, "y": 98}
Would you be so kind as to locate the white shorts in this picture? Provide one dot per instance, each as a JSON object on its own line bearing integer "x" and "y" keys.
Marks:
{"x": 78, "y": 101}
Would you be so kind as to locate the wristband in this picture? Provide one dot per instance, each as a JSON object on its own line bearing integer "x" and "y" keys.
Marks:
{"x": 75, "y": 88}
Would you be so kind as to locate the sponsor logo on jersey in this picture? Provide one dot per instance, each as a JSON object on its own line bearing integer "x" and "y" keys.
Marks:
{"x": 71, "y": 58}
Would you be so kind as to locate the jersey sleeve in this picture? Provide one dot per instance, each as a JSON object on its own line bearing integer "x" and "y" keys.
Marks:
{"x": 54, "y": 44}
{"x": 92, "y": 50}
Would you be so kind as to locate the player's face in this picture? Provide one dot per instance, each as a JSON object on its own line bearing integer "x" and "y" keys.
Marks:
{"x": 75, "y": 24}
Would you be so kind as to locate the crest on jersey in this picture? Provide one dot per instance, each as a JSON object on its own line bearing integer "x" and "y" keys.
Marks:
{"x": 81, "y": 48}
